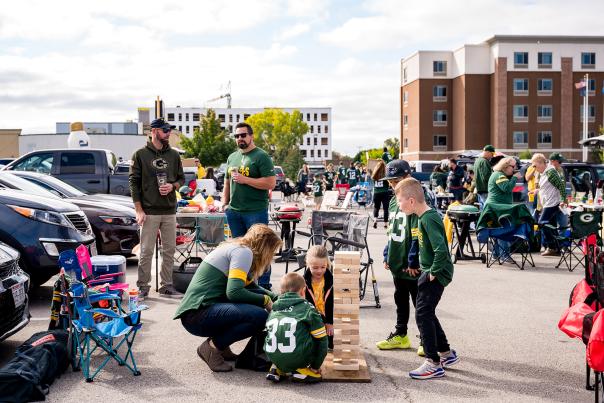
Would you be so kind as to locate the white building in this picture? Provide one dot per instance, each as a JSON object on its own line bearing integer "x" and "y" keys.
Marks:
{"x": 316, "y": 144}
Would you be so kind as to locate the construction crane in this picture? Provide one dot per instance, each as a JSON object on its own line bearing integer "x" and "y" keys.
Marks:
{"x": 226, "y": 95}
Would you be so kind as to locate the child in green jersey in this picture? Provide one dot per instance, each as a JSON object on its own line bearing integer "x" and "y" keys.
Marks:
{"x": 318, "y": 186}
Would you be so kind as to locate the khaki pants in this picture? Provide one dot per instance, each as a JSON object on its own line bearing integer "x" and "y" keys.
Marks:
{"x": 166, "y": 224}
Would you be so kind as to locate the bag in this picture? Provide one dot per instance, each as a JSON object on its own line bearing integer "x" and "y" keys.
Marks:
{"x": 253, "y": 356}
{"x": 183, "y": 274}
{"x": 37, "y": 362}
{"x": 571, "y": 322}
{"x": 582, "y": 292}
{"x": 588, "y": 324}
{"x": 595, "y": 346}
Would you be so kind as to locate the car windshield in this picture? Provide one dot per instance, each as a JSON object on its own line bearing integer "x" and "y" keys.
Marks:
{"x": 14, "y": 182}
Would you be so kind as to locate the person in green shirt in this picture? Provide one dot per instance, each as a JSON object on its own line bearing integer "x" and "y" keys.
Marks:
{"x": 353, "y": 174}
{"x": 482, "y": 172}
{"x": 330, "y": 177}
{"x": 381, "y": 193}
{"x": 250, "y": 175}
{"x": 223, "y": 301}
{"x": 296, "y": 340}
{"x": 438, "y": 178}
{"x": 502, "y": 182}
{"x": 341, "y": 174}
{"x": 437, "y": 272}
{"x": 318, "y": 186}
{"x": 400, "y": 258}
{"x": 386, "y": 157}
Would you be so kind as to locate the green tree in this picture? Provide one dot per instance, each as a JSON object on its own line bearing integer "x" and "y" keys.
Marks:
{"x": 210, "y": 143}
{"x": 280, "y": 133}
{"x": 525, "y": 155}
{"x": 394, "y": 146}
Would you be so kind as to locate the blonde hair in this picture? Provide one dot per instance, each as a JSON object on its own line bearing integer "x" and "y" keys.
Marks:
{"x": 379, "y": 171}
{"x": 263, "y": 242}
{"x": 504, "y": 162}
{"x": 292, "y": 282}
{"x": 318, "y": 252}
{"x": 539, "y": 158}
{"x": 410, "y": 188}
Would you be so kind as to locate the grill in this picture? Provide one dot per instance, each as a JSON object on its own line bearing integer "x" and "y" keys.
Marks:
{"x": 9, "y": 269}
{"x": 80, "y": 222}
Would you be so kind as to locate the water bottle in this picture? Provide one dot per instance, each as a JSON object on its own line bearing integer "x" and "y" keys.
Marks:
{"x": 132, "y": 299}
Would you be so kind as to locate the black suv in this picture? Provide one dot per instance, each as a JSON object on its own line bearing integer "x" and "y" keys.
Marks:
{"x": 14, "y": 285}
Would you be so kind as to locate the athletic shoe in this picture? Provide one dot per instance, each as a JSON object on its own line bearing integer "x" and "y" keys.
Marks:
{"x": 394, "y": 341}
{"x": 375, "y": 224}
{"x": 429, "y": 369}
{"x": 449, "y": 358}
{"x": 420, "y": 351}
{"x": 305, "y": 375}
{"x": 170, "y": 292}
{"x": 142, "y": 294}
{"x": 550, "y": 252}
{"x": 275, "y": 374}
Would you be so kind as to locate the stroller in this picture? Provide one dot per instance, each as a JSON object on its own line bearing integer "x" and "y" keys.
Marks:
{"x": 362, "y": 194}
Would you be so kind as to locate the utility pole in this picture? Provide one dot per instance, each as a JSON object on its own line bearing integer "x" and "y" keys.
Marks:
{"x": 585, "y": 115}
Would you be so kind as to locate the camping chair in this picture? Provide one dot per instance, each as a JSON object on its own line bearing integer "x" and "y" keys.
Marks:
{"x": 342, "y": 189}
{"x": 497, "y": 239}
{"x": 77, "y": 262}
{"x": 107, "y": 330}
{"x": 572, "y": 242}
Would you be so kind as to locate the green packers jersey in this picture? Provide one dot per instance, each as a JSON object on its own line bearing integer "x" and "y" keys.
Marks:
{"x": 353, "y": 176}
{"x": 342, "y": 175}
{"x": 329, "y": 177}
{"x": 317, "y": 188}
{"x": 296, "y": 336}
{"x": 401, "y": 230}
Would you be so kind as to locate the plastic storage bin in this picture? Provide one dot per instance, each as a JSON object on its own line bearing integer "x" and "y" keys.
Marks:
{"x": 102, "y": 264}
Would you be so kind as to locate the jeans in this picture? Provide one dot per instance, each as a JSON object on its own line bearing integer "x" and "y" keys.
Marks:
{"x": 381, "y": 200}
{"x": 403, "y": 289}
{"x": 482, "y": 199}
{"x": 166, "y": 225}
{"x": 433, "y": 337}
{"x": 549, "y": 215}
{"x": 239, "y": 223}
{"x": 225, "y": 323}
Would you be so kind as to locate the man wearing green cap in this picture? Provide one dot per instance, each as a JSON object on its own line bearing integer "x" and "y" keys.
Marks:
{"x": 482, "y": 173}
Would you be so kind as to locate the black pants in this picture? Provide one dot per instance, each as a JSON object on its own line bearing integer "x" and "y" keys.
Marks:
{"x": 381, "y": 200}
{"x": 433, "y": 337}
{"x": 403, "y": 289}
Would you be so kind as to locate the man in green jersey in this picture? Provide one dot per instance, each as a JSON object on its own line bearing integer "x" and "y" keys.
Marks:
{"x": 400, "y": 257}
{"x": 353, "y": 174}
{"x": 341, "y": 174}
{"x": 330, "y": 177}
{"x": 296, "y": 340}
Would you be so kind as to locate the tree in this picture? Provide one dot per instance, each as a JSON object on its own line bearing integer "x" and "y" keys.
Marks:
{"x": 525, "y": 155}
{"x": 280, "y": 133}
{"x": 210, "y": 143}
{"x": 394, "y": 146}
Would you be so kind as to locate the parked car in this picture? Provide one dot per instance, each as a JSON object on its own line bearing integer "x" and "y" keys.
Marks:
{"x": 422, "y": 169}
{"x": 122, "y": 168}
{"x": 582, "y": 177}
{"x": 280, "y": 175}
{"x": 14, "y": 285}
{"x": 90, "y": 169}
{"x": 6, "y": 161}
{"x": 114, "y": 226}
{"x": 40, "y": 228}
{"x": 219, "y": 173}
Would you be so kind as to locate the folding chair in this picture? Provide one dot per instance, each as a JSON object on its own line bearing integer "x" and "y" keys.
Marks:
{"x": 572, "y": 242}
{"x": 504, "y": 242}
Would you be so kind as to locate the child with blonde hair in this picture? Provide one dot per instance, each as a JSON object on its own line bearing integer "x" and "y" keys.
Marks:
{"x": 319, "y": 285}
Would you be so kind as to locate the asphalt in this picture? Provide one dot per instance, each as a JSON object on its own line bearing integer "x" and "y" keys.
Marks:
{"x": 501, "y": 321}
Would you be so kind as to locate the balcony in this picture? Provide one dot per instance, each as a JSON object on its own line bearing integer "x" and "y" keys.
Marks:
{"x": 544, "y": 119}
{"x": 439, "y": 98}
{"x": 439, "y": 123}
{"x": 521, "y": 93}
{"x": 544, "y": 93}
{"x": 520, "y": 119}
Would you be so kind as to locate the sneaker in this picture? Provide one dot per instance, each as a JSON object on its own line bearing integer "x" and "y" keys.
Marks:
{"x": 550, "y": 252}
{"x": 394, "y": 341}
{"x": 420, "y": 351}
{"x": 211, "y": 355}
{"x": 169, "y": 292}
{"x": 305, "y": 375}
{"x": 142, "y": 294}
{"x": 449, "y": 359}
{"x": 429, "y": 369}
{"x": 275, "y": 374}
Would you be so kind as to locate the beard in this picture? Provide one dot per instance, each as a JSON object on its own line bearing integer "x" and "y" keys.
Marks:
{"x": 242, "y": 145}
{"x": 165, "y": 142}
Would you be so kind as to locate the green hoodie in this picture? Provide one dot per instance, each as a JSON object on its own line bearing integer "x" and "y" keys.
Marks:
{"x": 146, "y": 163}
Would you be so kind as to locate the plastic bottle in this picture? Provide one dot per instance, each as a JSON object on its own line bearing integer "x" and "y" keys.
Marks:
{"x": 590, "y": 198}
{"x": 132, "y": 299}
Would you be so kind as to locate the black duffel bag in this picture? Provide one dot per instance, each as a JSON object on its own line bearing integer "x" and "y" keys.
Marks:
{"x": 37, "y": 362}
{"x": 183, "y": 273}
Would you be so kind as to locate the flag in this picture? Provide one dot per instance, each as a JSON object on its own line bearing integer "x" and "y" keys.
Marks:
{"x": 580, "y": 84}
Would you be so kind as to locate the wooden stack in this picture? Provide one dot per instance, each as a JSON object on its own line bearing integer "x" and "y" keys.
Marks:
{"x": 346, "y": 349}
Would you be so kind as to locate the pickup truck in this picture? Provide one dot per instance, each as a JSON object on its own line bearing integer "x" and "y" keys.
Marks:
{"x": 91, "y": 170}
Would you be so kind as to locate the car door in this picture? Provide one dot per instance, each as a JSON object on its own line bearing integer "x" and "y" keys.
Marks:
{"x": 82, "y": 170}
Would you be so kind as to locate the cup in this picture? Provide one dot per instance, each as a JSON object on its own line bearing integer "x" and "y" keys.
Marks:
{"x": 531, "y": 197}
{"x": 162, "y": 179}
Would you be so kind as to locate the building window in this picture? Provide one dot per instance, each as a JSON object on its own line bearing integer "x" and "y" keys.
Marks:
{"x": 312, "y": 153}
{"x": 187, "y": 128}
{"x": 439, "y": 142}
{"x": 592, "y": 113}
{"x": 308, "y": 117}
{"x": 544, "y": 139}
{"x": 439, "y": 118}
{"x": 171, "y": 116}
{"x": 521, "y": 113}
{"x": 521, "y": 86}
{"x": 544, "y": 113}
{"x": 180, "y": 129}
{"x": 520, "y": 139}
{"x": 405, "y": 97}
{"x": 439, "y": 93}
{"x": 544, "y": 59}
{"x": 326, "y": 154}
{"x": 324, "y": 117}
{"x": 588, "y": 60}
{"x": 308, "y": 141}
{"x": 544, "y": 86}
{"x": 195, "y": 128}
{"x": 180, "y": 117}
{"x": 231, "y": 118}
{"x": 318, "y": 153}
{"x": 326, "y": 129}
{"x": 196, "y": 117}
{"x": 312, "y": 129}
{"x": 303, "y": 152}
{"x": 406, "y": 143}
{"x": 221, "y": 117}
{"x": 405, "y": 120}
{"x": 404, "y": 74}
{"x": 315, "y": 117}
{"x": 324, "y": 141}
{"x": 521, "y": 59}
{"x": 186, "y": 117}
{"x": 591, "y": 85}
{"x": 439, "y": 68}
{"x": 318, "y": 129}
{"x": 315, "y": 142}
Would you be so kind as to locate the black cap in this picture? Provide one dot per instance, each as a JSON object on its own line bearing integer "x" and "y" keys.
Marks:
{"x": 161, "y": 124}
{"x": 397, "y": 169}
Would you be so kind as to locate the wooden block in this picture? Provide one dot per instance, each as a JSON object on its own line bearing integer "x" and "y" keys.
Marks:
{"x": 346, "y": 308}
{"x": 338, "y": 333}
{"x": 345, "y": 293}
{"x": 345, "y": 321}
{"x": 345, "y": 254}
{"x": 345, "y": 301}
{"x": 346, "y": 340}
{"x": 346, "y": 348}
{"x": 330, "y": 374}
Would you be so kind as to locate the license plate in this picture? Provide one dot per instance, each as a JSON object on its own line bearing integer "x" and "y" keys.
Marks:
{"x": 92, "y": 249}
{"x": 18, "y": 294}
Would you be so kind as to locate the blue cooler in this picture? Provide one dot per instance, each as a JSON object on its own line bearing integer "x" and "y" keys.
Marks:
{"x": 102, "y": 264}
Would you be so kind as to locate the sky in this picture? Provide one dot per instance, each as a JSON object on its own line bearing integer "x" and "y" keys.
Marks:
{"x": 95, "y": 60}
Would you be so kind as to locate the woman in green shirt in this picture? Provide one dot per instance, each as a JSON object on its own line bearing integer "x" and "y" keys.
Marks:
{"x": 223, "y": 301}
{"x": 502, "y": 182}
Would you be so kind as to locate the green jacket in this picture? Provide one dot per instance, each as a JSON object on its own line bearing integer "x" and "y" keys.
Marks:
{"x": 482, "y": 173}
{"x": 500, "y": 188}
{"x": 434, "y": 256}
{"x": 296, "y": 335}
{"x": 147, "y": 162}
{"x": 402, "y": 236}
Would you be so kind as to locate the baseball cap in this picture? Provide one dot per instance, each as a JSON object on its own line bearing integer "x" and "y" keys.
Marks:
{"x": 556, "y": 157}
{"x": 396, "y": 169}
{"x": 489, "y": 148}
{"x": 161, "y": 124}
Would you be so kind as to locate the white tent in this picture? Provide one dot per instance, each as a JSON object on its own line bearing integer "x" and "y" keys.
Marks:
{"x": 597, "y": 141}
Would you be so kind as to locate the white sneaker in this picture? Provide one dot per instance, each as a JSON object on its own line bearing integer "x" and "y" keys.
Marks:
{"x": 429, "y": 369}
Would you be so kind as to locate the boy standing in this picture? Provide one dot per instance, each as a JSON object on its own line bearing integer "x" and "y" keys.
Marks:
{"x": 296, "y": 338}
{"x": 437, "y": 273}
{"x": 317, "y": 189}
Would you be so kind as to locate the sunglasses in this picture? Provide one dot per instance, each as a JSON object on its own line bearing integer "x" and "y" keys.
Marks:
{"x": 240, "y": 135}
{"x": 166, "y": 131}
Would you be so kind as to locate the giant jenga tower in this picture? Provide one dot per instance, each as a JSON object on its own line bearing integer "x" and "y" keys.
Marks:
{"x": 346, "y": 341}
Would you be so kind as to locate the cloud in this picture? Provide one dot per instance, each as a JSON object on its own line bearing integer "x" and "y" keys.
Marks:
{"x": 293, "y": 31}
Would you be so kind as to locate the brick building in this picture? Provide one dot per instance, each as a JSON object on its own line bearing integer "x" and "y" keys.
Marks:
{"x": 515, "y": 92}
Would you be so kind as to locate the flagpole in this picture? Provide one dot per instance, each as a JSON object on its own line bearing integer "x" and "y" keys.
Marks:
{"x": 585, "y": 115}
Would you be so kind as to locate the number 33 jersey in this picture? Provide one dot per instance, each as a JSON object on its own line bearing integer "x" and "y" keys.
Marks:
{"x": 296, "y": 335}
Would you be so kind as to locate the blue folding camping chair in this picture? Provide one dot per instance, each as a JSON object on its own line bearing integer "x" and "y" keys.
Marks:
{"x": 503, "y": 242}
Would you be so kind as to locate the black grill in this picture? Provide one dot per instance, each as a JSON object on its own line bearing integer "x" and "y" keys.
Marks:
{"x": 79, "y": 221}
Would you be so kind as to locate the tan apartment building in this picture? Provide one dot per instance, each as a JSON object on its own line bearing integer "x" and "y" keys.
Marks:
{"x": 514, "y": 92}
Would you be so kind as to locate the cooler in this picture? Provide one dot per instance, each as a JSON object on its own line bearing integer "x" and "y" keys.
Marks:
{"x": 103, "y": 265}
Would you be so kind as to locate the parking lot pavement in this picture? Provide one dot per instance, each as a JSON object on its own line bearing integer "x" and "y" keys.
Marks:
{"x": 502, "y": 322}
